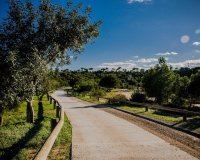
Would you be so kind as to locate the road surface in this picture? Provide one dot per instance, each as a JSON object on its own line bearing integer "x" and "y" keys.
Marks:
{"x": 98, "y": 135}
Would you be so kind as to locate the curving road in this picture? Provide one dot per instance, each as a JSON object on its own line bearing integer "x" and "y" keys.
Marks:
{"x": 98, "y": 135}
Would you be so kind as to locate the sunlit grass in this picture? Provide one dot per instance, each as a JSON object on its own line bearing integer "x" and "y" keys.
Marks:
{"x": 61, "y": 148}
{"x": 21, "y": 140}
{"x": 154, "y": 114}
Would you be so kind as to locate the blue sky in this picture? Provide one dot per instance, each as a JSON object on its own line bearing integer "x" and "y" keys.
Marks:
{"x": 135, "y": 33}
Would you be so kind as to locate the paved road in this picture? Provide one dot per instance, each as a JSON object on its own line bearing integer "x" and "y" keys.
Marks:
{"x": 98, "y": 135}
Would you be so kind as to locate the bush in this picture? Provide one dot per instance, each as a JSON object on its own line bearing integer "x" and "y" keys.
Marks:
{"x": 138, "y": 97}
{"x": 98, "y": 93}
{"x": 117, "y": 98}
{"x": 179, "y": 101}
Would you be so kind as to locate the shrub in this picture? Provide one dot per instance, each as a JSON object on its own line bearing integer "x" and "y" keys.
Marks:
{"x": 138, "y": 97}
{"x": 117, "y": 98}
{"x": 98, "y": 93}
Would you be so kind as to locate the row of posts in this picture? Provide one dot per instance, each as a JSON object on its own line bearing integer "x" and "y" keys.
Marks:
{"x": 54, "y": 121}
{"x": 184, "y": 113}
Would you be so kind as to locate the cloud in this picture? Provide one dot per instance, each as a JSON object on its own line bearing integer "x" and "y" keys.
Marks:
{"x": 166, "y": 53}
{"x": 138, "y": 1}
{"x": 132, "y": 63}
{"x": 147, "y": 60}
{"x": 187, "y": 63}
{"x": 196, "y": 43}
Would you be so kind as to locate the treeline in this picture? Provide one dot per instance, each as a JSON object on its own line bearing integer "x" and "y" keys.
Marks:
{"x": 34, "y": 38}
{"x": 161, "y": 84}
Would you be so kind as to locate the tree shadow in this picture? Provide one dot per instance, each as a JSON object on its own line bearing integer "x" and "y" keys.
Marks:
{"x": 166, "y": 113}
{"x": 191, "y": 124}
{"x": 12, "y": 151}
{"x": 175, "y": 126}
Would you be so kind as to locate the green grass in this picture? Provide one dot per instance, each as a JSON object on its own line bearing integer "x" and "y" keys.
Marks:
{"x": 61, "y": 148}
{"x": 110, "y": 94}
{"x": 20, "y": 140}
{"x": 87, "y": 98}
{"x": 154, "y": 114}
{"x": 193, "y": 123}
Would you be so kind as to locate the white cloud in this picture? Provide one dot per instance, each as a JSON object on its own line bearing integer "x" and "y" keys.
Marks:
{"x": 196, "y": 43}
{"x": 187, "y": 63}
{"x": 129, "y": 64}
{"x": 138, "y": 1}
{"x": 147, "y": 60}
{"x": 166, "y": 53}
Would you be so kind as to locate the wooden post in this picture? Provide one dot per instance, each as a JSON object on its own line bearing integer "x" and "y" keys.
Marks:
{"x": 53, "y": 124}
{"x": 109, "y": 101}
{"x": 146, "y": 108}
{"x": 54, "y": 104}
{"x": 58, "y": 114}
{"x": 51, "y": 100}
{"x": 48, "y": 96}
{"x": 185, "y": 116}
{"x": 90, "y": 96}
{"x": 98, "y": 98}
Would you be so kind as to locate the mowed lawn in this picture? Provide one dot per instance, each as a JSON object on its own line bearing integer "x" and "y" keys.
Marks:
{"x": 20, "y": 140}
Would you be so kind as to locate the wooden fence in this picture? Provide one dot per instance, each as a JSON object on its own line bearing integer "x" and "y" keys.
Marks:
{"x": 184, "y": 112}
{"x": 56, "y": 125}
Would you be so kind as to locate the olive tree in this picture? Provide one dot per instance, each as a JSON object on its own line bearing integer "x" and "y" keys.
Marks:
{"x": 42, "y": 36}
{"x": 9, "y": 93}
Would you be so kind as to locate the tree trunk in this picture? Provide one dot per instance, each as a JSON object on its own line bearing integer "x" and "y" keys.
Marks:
{"x": 30, "y": 112}
{"x": 40, "y": 108}
{"x": 1, "y": 116}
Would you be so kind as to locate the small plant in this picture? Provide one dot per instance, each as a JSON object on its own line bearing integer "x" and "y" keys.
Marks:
{"x": 138, "y": 97}
{"x": 117, "y": 98}
{"x": 98, "y": 93}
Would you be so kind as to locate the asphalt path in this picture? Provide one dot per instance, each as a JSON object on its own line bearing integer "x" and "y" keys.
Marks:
{"x": 98, "y": 135}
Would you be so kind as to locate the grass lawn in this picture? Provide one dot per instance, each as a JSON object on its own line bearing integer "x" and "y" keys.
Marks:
{"x": 154, "y": 114}
{"x": 61, "y": 148}
{"x": 192, "y": 124}
{"x": 20, "y": 140}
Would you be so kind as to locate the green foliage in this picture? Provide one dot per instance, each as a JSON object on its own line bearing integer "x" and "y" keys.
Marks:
{"x": 194, "y": 86}
{"x": 180, "y": 91}
{"x": 20, "y": 140}
{"x": 138, "y": 97}
{"x": 98, "y": 93}
{"x": 84, "y": 86}
{"x": 61, "y": 147}
{"x": 108, "y": 81}
{"x": 117, "y": 98}
{"x": 158, "y": 81}
{"x": 34, "y": 37}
